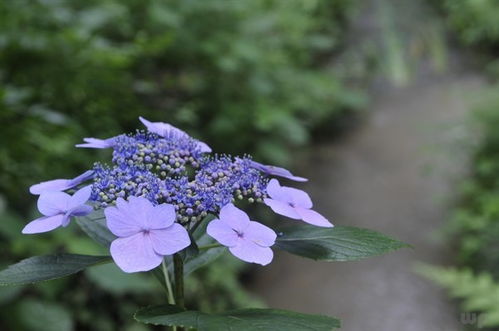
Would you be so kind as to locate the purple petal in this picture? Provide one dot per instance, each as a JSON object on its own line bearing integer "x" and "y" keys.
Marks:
{"x": 66, "y": 219}
{"x": 89, "y": 174}
{"x": 275, "y": 191}
{"x": 277, "y": 171}
{"x": 81, "y": 210}
{"x": 170, "y": 240}
{"x": 119, "y": 222}
{"x": 163, "y": 129}
{"x": 203, "y": 147}
{"x": 43, "y": 224}
{"x": 249, "y": 251}
{"x": 122, "y": 205}
{"x": 313, "y": 217}
{"x": 222, "y": 232}
{"x": 293, "y": 196}
{"x": 167, "y": 130}
{"x": 160, "y": 216}
{"x": 79, "y": 197}
{"x": 260, "y": 234}
{"x": 234, "y": 217}
{"x": 53, "y": 203}
{"x": 135, "y": 253}
{"x": 98, "y": 143}
{"x": 139, "y": 209}
{"x": 60, "y": 184}
{"x": 282, "y": 208}
{"x": 299, "y": 198}
{"x": 51, "y": 185}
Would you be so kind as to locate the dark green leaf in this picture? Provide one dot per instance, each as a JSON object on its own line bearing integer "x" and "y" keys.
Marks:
{"x": 94, "y": 225}
{"x": 206, "y": 256}
{"x": 335, "y": 244}
{"x": 41, "y": 268}
{"x": 203, "y": 258}
{"x": 241, "y": 319}
{"x": 112, "y": 279}
{"x": 193, "y": 257}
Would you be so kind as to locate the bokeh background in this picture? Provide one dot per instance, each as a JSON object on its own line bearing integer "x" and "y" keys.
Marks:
{"x": 390, "y": 106}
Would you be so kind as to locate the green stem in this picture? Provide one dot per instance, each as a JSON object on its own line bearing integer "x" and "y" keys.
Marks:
{"x": 215, "y": 245}
{"x": 195, "y": 226}
{"x": 171, "y": 299}
{"x": 178, "y": 266}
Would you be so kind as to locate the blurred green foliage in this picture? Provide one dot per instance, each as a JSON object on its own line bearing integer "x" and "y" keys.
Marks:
{"x": 476, "y": 219}
{"x": 475, "y": 21}
{"x": 475, "y": 223}
{"x": 478, "y": 293}
{"x": 476, "y": 24}
{"x": 245, "y": 76}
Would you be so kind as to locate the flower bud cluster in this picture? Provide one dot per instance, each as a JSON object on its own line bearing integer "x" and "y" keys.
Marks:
{"x": 173, "y": 170}
{"x": 122, "y": 182}
{"x": 163, "y": 156}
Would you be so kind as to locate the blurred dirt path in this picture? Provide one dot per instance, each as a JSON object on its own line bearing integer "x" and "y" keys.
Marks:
{"x": 394, "y": 174}
{"x": 390, "y": 175}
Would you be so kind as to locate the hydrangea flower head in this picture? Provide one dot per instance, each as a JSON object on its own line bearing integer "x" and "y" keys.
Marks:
{"x": 58, "y": 208}
{"x": 161, "y": 183}
{"x": 247, "y": 240}
{"x": 145, "y": 233}
{"x": 293, "y": 203}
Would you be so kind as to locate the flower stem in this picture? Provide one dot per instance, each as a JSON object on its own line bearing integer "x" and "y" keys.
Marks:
{"x": 171, "y": 299}
{"x": 195, "y": 226}
{"x": 178, "y": 266}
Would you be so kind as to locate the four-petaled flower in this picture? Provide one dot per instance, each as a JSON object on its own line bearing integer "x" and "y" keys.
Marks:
{"x": 167, "y": 130}
{"x": 98, "y": 143}
{"x": 247, "y": 240}
{"x": 60, "y": 184}
{"x": 277, "y": 171}
{"x": 293, "y": 203}
{"x": 58, "y": 208}
{"x": 145, "y": 233}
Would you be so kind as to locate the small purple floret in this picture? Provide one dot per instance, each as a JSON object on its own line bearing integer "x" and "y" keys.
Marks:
{"x": 145, "y": 233}
{"x": 60, "y": 184}
{"x": 58, "y": 208}
{"x": 247, "y": 240}
{"x": 277, "y": 171}
{"x": 167, "y": 130}
{"x": 293, "y": 203}
{"x": 98, "y": 143}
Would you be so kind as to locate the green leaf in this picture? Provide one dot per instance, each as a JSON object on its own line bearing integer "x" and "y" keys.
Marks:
{"x": 203, "y": 257}
{"x": 40, "y": 268}
{"x": 335, "y": 244}
{"x": 94, "y": 225}
{"x": 193, "y": 257}
{"x": 109, "y": 277}
{"x": 241, "y": 319}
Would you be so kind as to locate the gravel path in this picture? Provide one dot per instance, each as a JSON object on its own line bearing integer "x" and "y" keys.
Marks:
{"x": 396, "y": 174}
{"x": 393, "y": 175}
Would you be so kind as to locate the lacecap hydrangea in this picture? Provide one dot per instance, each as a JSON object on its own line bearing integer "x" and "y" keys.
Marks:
{"x": 160, "y": 185}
